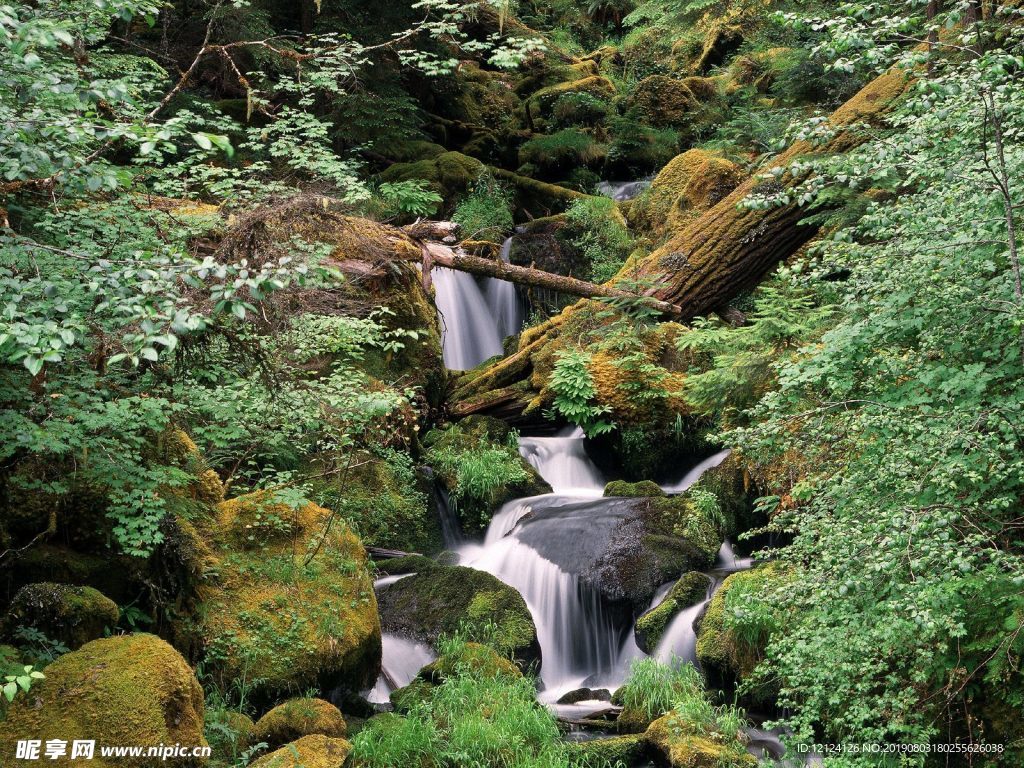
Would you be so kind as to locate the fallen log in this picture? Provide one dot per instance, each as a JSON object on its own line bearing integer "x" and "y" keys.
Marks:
{"x": 442, "y": 256}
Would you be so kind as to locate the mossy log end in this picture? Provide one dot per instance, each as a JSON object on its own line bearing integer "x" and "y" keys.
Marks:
{"x": 727, "y": 250}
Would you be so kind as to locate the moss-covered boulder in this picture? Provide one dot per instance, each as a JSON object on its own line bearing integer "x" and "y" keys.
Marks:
{"x": 692, "y": 182}
{"x": 296, "y": 718}
{"x": 482, "y": 661}
{"x": 444, "y": 598}
{"x": 450, "y": 174}
{"x": 125, "y": 690}
{"x": 633, "y": 490}
{"x": 663, "y": 101}
{"x": 316, "y": 751}
{"x": 70, "y": 615}
{"x": 659, "y": 538}
{"x": 679, "y": 744}
{"x": 543, "y": 101}
{"x": 290, "y": 604}
{"x": 729, "y": 651}
{"x": 399, "y": 566}
{"x": 689, "y": 590}
{"x": 617, "y": 750}
{"x": 478, "y": 461}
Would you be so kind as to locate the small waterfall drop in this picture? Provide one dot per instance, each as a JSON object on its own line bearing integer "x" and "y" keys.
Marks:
{"x": 680, "y": 639}
{"x": 563, "y": 462}
{"x": 401, "y": 661}
{"x": 693, "y": 475}
{"x": 621, "y": 191}
{"x": 469, "y": 334}
{"x": 504, "y": 301}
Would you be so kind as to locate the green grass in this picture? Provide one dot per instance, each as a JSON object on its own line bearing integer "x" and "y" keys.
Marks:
{"x": 654, "y": 688}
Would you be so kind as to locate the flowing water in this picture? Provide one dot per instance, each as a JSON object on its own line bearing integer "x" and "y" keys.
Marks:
{"x": 621, "y": 191}
{"x": 476, "y": 314}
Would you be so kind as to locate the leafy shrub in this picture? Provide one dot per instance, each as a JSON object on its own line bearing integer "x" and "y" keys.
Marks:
{"x": 486, "y": 213}
{"x": 410, "y": 198}
{"x": 638, "y": 149}
{"x": 575, "y": 393}
{"x": 595, "y": 227}
{"x": 565, "y": 149}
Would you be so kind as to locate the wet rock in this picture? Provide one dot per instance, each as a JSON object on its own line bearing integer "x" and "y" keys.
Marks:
{"x": 650, "y": 627}
{"x": 585, "y": 694}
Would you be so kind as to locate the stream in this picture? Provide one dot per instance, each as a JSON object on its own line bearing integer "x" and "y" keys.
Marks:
{"x": 539, "y": 544}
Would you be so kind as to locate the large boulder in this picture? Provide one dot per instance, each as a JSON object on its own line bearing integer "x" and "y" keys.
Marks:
{"x": 297, "y": 718}
{"x": 70, "y": 615}
{"x": 442, "y": 599}
{"x": 450, "y": 174}
{"x": 290, "y": 603}
{"x": 691, "y": 183}
{"x": 308, "y": 752}
{"x": 117, "y": 691}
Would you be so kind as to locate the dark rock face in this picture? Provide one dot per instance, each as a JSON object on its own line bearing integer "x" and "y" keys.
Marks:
{"x": 585, "y": 694}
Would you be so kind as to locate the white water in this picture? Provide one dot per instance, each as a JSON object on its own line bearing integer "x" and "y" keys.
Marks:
{"x": 693, "y": 475}
{"x": 504, "y": 301}
{"x": 680, "y": 639}
{"x": 563, "y": 462}
{"x": 622, "y": 190}
{"x": 475, "y": 314}
{"x": 402, "y": 660}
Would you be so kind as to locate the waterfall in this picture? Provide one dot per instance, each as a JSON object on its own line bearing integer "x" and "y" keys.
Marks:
{"x": 693, "y": 475}
{"x": 621, "y": 191}
{"x": 563, "y": 462}
{"x": 469, "y": 333}
{"x": 680, "y": 639}
{"x": 504, "y": 301}
{"x": 476, "y": 314}
{"x": 401, "y": 660}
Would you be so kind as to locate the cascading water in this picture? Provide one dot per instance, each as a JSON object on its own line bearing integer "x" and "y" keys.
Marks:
{"x": 402, "y": 660}
{"x": 504, "y": 300}
{"x": 680, "y": 639}
{"x": 621, "y": 191}
{"x": 563, "y": 462}
{"x": 476, "y": 314}
{"x": 693, "y": 475}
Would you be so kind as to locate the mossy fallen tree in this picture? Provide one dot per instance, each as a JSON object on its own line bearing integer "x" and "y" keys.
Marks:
{"x": 711, "y": 259}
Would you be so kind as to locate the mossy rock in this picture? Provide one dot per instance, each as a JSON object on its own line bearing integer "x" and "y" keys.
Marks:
{"x": 397, "y": 566}
{"x": 315, "y": 751}
{"x": 543, "y": 101}
{"x": 296, "y": 718}
{"x": 726, "y": 657}
{"x": 71, "y": 615}
{"x": 617, "y": 750}
{"x": 691, "y": 183}
{"x": 689, "y": 590}
{"x": 480, "y": 661}
{"x": 639, "y": 489}
{"x": 415, "y": 693}
{"x": 658, "y": 539}
{"x": 441, "y": 600}
{"x": 229, "y": 733}
{"x": 663, "y": 102}
{"x": 129, "y": 689}
{"x": 679, "y": 744}
{"x": 411, "y": 151}
{"x": 451, "y": 174}
{"x": 282, "y": 622}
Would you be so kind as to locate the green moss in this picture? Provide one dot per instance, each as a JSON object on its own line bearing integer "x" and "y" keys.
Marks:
{"x": 680, "y": 745}
{"x": 451, "y": 174}
{"x": 689, "y": 590}
{"x": 480, "y": 661}
{"x": 395, "y": 566}
{"x": 562, "y": 151}
{"x": 618, "y": 750}
{"x": 729, "y": 650}
{"x": 415, "y": 693}
{"x": 296, "y": 718}
{"x": 113, "y": 575}
{"x": 316, "y": 751}
{"x": 445, "y": 599}
{"x": 543, "y": 101}
{"x": 72, "y": 615}
{"x": 642, "y": 488}
{"x": 663, "y": 102}
{"x": 275, "y": 619}
{"x": 130, "y": 689}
